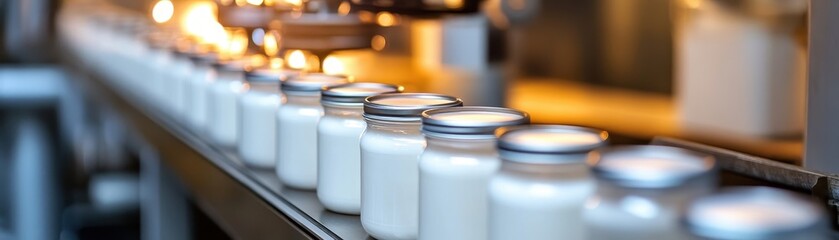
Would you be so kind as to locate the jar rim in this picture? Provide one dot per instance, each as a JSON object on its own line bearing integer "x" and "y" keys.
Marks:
{"x": 647, "y": 166}
{"x": 398, "y": 106}
{"x": 312, "y": 82}
{"x": 356, "y": 92}
{"x": 470, "y": 122}
{"x": 781, "y": 212}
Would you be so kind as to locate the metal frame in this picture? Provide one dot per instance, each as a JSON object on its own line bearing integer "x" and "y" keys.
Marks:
{"x": 822, "y": 135}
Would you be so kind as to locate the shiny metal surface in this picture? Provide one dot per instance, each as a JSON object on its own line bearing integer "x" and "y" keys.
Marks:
{"x": 470, "y": 121}
{"x": 644, "y": 166}
{"x": 821, "y": 133}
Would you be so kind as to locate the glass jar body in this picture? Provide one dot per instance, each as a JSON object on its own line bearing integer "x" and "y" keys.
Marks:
{"x": 339, "y": 158}
{"x": 258, "y": 108}
{"x": 198, "y": 85}
{"x": 539, "y": 201}
{"x": 223, "y": 109}
{"x": 632, "y": 213}
{"x": 390, "y": 178}
{"x": 454, "y": 175}
{"x": 297, "y": 124}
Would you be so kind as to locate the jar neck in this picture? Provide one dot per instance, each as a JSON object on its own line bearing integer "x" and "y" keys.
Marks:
{"x": 302, "y": 98}
{"x": 263, "y": 87}
{"x": 407, "y": 126}
{"x": 343, "y": 111}
{"x": 567, "y": 171}
{"x": 672, "y": 196}
{"x": 482, "y": 145}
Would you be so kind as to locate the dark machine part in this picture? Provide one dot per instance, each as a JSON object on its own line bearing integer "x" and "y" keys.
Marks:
{"x": 742, "y": 169}
{"x": 418, "y": 7}
{"x": 325, "y": 32}
{"x": 247, "y": 16}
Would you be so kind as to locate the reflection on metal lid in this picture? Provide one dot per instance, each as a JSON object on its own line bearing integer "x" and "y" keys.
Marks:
{"x": 754, "y": 213}
{"x": 467, "y": 122}
{"x": 410, "y": 105}
{"x": 355, "y": 93}
{"x": 312, "y": 82}
{"x": 651, "y": 166}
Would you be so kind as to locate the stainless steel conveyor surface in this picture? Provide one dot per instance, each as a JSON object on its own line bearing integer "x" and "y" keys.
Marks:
{"x": 247, "y": 203}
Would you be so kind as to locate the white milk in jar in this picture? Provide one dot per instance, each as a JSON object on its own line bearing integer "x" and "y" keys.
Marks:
{"x": 390, "y": 150}
{"x": 297, "y": 125}
{"x": 641, "y": 191}
{"x": 198, "y": 84}
{"x": 258, "y": 106}
{"x": 222, "y": 109}
{"x": 543, "y": 184}
{"x": 455, "y": 169}
{"x": 339, "y": 134}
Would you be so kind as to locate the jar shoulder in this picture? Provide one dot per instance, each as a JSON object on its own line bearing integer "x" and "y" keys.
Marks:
{"x": 392, "y": 141}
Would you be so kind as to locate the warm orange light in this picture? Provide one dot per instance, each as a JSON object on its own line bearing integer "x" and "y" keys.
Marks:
{"x": 296, "y": 59}
{"x": 454, "y": 4}
{"x": 378, "y": 42}
{"x": 276, "y": 63}
{"x": 333, "y": 65}
{"x": 695, "y": 4}
{"x": 270, "y": 44}
{"x": 255, "y": 2}
{"x": 235, "y": 44}
{"x": 162, "y": 11}
{"x": 257, "y": 60}
{"x": 385, "y": 19}
{"x": 344, "y": 8}
{"x": 200, "y": 21}
{"x": 296, "y": 3}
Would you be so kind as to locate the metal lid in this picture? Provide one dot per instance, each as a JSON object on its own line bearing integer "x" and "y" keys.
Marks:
{"x": 271, "y": 75}
{"x": 548, "y": 144}
{"x": 650, "y": 166}
{"x": 754, "y": 213}
{"x": 405, "y": 106}
{"x": 312, "y": 82}
{"x": 470, "y": 122}
{"x": 355, "y": 93}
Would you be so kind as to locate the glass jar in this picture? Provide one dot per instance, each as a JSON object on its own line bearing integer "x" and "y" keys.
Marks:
{"x": 160, "y": 61}
{"x": 739, "y": 213}
{"x": 198, "y": 85}
{"x": 297, "y": 124}
{"x": 643, "y": 189}
{"x": 258, "y": 105}
{"x": 455, "y": 168}
{"x": 222, "y": 106}
{"x": 339, "y": 134}
{"x": 541, "y": 190}
{"x": 179, "y": 73}
{"x": 390, "y": 150}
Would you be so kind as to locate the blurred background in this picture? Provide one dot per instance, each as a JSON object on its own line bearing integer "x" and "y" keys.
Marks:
{"x": 727, "y": 73}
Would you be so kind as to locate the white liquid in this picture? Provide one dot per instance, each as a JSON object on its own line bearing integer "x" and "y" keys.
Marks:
{"x": 176, "y": 97}
{"x": 199, "y": 84}
{"x": 390, "y": 182}
{"x": 339, "y": 161}
{"x": 297, "y": 124}
{"x": 258, "y": 128}
{"x": 632, "y": 218}
{"x": 526, "y": 206}
{"x": 159, "y": 68}
{"x": 223, "y": 112}
{"x": 453, "y": 188}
